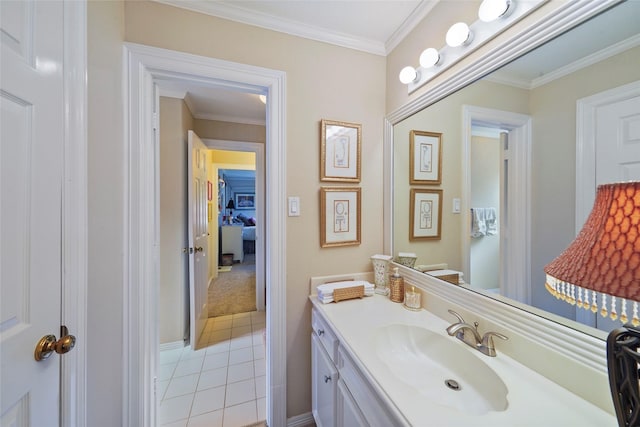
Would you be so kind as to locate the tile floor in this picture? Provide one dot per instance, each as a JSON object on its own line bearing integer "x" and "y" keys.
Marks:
{"x": 220, "y": 385}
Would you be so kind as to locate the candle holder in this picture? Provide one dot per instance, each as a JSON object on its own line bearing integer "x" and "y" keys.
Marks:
{"x": 412, "y": 299}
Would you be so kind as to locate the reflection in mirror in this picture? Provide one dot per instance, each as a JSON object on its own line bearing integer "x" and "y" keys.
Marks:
{"x": 518, "y": 160}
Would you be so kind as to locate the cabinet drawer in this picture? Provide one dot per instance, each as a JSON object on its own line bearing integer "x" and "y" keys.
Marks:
{"x": 325, "y": 335}
{"x": 371, "y": 406}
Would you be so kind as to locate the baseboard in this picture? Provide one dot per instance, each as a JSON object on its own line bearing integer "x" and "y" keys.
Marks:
{"x": 302, "y": 420}
{"x": 172, "y": 345}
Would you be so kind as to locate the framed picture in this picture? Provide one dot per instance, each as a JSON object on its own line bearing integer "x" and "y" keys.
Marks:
{"x": 340, "y": 151}
{"x": 339, "y": 216}
{"x": 425, "y": 214}
{"x": 425, "y": 157}
{"x": 245, "y": 201}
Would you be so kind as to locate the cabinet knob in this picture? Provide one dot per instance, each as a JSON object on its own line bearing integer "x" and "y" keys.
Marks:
{"x": 327, "y": 378}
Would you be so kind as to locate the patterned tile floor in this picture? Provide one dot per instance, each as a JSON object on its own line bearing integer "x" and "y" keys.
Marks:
{"x": 220, "y": 385}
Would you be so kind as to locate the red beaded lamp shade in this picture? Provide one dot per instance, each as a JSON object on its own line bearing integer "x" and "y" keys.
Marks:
{"x": 605, "y": 257}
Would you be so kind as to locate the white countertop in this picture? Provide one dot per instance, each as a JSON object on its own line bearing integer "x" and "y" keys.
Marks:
{"x": 533, "y": 399}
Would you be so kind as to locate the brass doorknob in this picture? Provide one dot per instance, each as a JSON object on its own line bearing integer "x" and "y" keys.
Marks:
{"x": 48, "y": 344}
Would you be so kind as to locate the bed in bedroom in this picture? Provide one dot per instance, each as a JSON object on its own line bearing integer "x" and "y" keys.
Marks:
{"x": 248, "y": 234}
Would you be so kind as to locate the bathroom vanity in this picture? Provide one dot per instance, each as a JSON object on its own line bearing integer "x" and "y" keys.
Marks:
{"x": 375, "y": 363}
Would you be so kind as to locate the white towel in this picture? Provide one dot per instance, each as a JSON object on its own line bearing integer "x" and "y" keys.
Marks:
{"x": 478, "y": 224}
{"x": 491, "y": 220}
{"x": 325, "y": 291}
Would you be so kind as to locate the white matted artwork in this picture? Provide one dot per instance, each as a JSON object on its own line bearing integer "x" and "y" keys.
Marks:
{"x": 340, "y": 151}
{"x": 339, "y": 216}
{"x": 425, "y": 157}
{"x": 425, "y": 214}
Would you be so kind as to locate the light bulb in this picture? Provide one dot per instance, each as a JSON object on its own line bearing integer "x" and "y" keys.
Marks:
{"x": 490, "y": 10}
{"x": 429, "y": 57}
{"x": 407, "y": 75}
{"x": 458, "y": 34}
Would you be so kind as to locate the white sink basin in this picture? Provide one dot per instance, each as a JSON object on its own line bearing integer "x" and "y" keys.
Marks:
{"x": 426, "y": 361}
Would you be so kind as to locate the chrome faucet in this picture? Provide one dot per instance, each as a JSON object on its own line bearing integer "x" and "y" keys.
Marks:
{"x": 469, "y": 335}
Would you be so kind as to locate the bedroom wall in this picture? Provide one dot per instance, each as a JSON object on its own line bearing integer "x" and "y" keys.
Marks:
{"x": 175, "y": 121}
{"x": 323, "y": 81}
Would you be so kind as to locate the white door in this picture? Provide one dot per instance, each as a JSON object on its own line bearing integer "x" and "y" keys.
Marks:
{"x": 31, "y": 170}
{"x": 198, "y": 237}
{"x": 613, "y": 125}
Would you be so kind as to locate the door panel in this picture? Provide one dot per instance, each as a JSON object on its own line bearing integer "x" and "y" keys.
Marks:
{"x": 31, "y": 160}
{"x": 198, "y": 237}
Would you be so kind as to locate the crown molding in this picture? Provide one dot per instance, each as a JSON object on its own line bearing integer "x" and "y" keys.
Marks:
{"x": 269, "y": 22}
{"x": 231, "y": 119}
{"x": 568, "y": 69}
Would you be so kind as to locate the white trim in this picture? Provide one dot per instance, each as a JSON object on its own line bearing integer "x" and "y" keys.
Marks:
{"x": 258, "y": 149}
{"x": 75, "y": 224}
{"x": 142, "y": 65}
{"x": 231, "y": 119}
{"x": 515, "y": 262}
{"x": 581, "y": 347}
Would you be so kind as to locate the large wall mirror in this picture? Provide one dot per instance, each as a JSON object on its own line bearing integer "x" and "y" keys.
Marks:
{"x": 518, "y": 153}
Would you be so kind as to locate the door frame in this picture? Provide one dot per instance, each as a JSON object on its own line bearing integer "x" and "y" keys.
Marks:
{"x": 258, "y": 149}
{"x": 516, "y": 260}
{"x": 73, "y": 389}
{"x": 142, "y": 65}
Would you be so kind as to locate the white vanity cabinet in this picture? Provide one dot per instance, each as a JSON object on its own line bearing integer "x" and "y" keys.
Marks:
{"x": 341, "y": 395}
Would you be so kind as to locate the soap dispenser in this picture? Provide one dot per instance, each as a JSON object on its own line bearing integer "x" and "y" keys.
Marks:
{"x": 396, "y": 286}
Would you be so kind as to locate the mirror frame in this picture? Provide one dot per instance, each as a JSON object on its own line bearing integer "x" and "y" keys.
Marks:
{"x": 569, "y": 338}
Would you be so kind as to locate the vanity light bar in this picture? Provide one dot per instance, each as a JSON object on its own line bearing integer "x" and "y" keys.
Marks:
{"x": 478, "y": 33}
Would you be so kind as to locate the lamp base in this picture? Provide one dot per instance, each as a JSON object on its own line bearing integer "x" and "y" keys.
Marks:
{"x": 622, "y": 363}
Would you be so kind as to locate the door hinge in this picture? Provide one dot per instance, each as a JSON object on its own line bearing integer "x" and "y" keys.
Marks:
{"x": 156, "y": 121}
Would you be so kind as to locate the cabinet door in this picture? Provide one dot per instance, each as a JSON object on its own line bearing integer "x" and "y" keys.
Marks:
{"x": 324, "y": 378}
{"x": 347, "y": 412}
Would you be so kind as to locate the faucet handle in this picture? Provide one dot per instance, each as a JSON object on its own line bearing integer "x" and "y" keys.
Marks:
{"x": 460, "y": 319}
{"x": 487, "y": 339}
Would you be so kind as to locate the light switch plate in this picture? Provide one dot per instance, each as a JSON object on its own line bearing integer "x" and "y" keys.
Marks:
{"x": 294, "y": 206}
{"x": 456, "y": 205}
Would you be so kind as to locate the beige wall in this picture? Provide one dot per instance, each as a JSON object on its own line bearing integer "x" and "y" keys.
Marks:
{"x": 175, "y": 121}
{"x": 226, "y": 131}
{"x": 105, "y": 26}
{"x": 323, "y": 81}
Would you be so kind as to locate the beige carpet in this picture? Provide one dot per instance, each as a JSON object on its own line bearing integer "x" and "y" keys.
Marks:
{"x": 234, "y": 291}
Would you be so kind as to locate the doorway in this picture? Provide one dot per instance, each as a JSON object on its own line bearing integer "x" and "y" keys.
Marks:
{"x": 143, "y": 66}
{"x": 511, "y": 133}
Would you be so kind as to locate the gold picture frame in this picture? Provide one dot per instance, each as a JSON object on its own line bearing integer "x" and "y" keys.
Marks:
{"x": 340, "y": 216}
{"x": 425, "y": 157}
{"x": 425, "y": 214}
{"x": 340, "y": 145}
